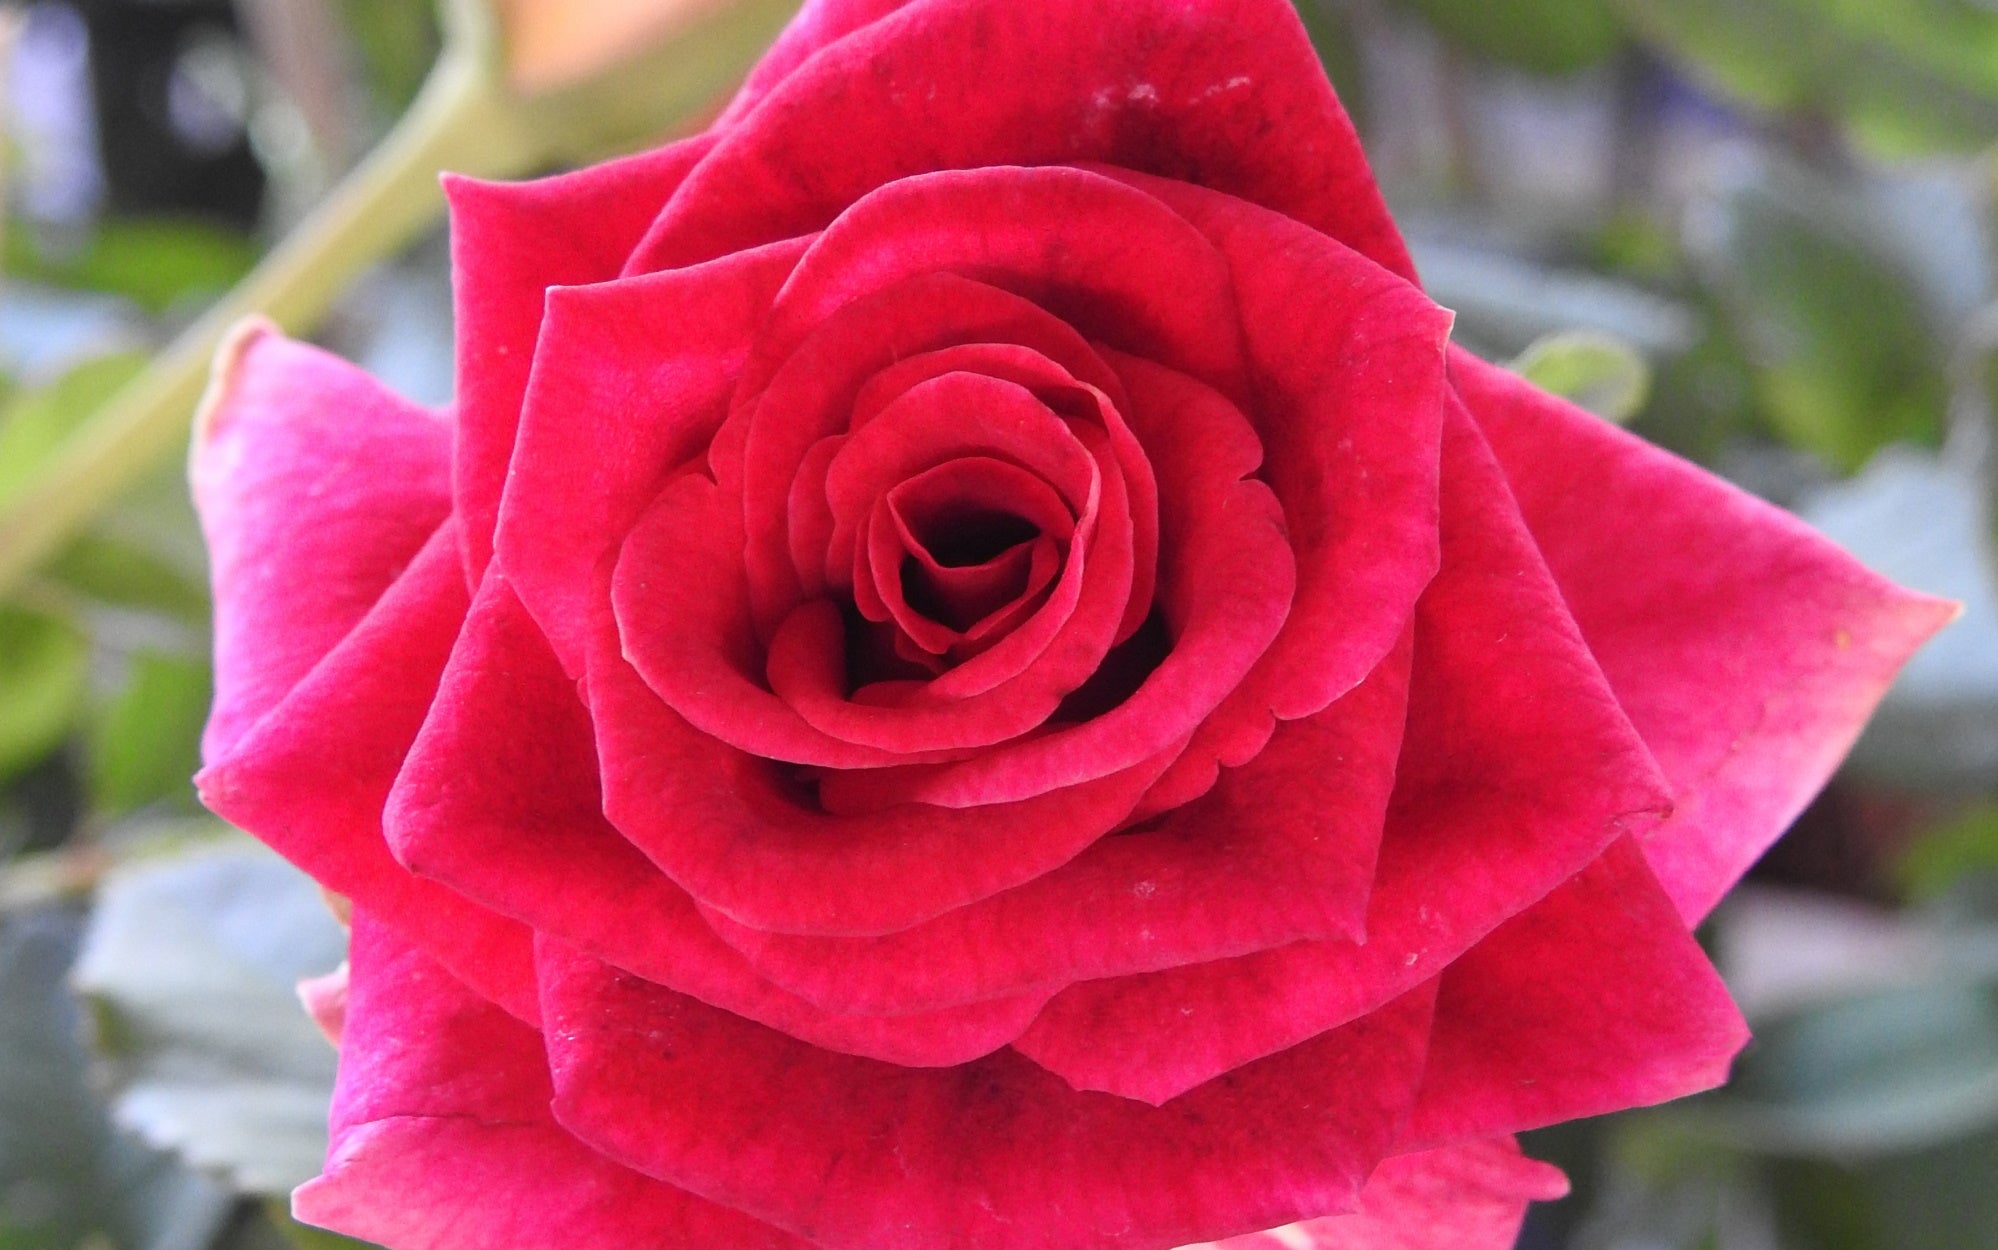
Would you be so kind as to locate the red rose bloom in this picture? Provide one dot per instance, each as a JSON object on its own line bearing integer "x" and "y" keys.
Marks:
{"x": 971, "y": 670}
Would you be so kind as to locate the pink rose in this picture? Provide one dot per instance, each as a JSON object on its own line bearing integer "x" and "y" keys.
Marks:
{"x": 971, "y": 670}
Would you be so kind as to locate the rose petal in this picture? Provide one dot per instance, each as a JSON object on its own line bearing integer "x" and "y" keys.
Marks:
{"x": 944, "y": 419}
{"x": 1110, "y": 260}
{"x": 316, "y": 487}
{"x": 958, "y": 604}
{"x": 443, "y": 1099}
{"x": 814, "y": 382}
{"x": 857, "y": 1155}
{"x": 1224, "y": 590}
{"x": 1282, "y": 849}
{"x": 1348, "y": 406}
{"x": 682, "y": 616}
{"x": 1226, "y": 94}
{"x": 1747, "y": 648}
{"x": 325, "y": 1000}
{"x": 630, "y": 380}
{"x": 728, "y": 828}
{"x": 312, "y": 777}
{"x": 512, "y": 819}
{"x": 510, "y": 242}
{"x": 1518, "y": 769}
{"x": 1464, "y": 1197}
{"x": 1592, "y": 1000}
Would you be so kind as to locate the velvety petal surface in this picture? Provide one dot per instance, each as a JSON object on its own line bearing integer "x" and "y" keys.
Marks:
{"x": 1593, "y": 1000}
{"x": 442, "y": 1137}
{"x": 1229, "y": 95}
{"x": 1226, "y": 582}
{"x": 1747, "y": 648}
{"x": 1110, "y": 260}
{"x": 732, "y": 831}
{"x": 1281, "y": 850}
{"x": 857, "y": 1155}
{"x": 312, "y": 777}
{"x": 1517, "y": 770}
{"x": 1464, "y": 1197}
{"x": 315, "y": 487}
{"x": 510, "y": 242}
{"x": 514, "y": 820}
{"x": 817, "y": 24}
{"x": 630, "y": 380}
{"x": 1348, "y": 402}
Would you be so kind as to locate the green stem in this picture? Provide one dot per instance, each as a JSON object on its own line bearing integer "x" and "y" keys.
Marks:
{"x": 460, "y": 121}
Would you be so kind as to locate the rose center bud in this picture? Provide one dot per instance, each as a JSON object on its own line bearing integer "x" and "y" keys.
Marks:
{"x": 963, "y": 551}
{"x": 961, "y": 569}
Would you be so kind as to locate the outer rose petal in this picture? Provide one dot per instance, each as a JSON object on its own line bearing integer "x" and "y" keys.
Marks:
{"x": 325, "y": 1000}
{"x": 510, "y": 242}
{"x": 857, "y": 1155}
{"x": 311, "y": 778}
{"x": 1517, "y": 770}
{"x": 1747, "y": 648}
{"x": 515, "y": 821}
{"x": 442, "y": 1138}
{"x": 660, "y": 355}
{"x": 1282, "y": 849}
{"x": 725, "y": 826}
{"x": 1592, "y": 1000}
{"x": 1228, "y": 94}
{"x": 315, "y": 486}
{"x": 1466, "y": 1197}
{"x": 1350, "y": 389}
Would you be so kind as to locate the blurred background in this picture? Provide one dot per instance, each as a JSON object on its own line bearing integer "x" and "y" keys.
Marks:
{"x": 1760, "y": 232}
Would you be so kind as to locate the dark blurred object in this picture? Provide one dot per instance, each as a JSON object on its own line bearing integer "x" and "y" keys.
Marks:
{"x": 46, "y": 801}
{"x": 172, "y": 99}
{"x": 1850, "y": 840}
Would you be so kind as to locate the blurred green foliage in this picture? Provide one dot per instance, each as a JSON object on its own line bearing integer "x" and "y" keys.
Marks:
{"x": 1603, "y": 374}
{"x": 1542, "y": 36}
{"x": 1847, "y": 359}
{"x": 1952, "y": 853}
{"x": 1903, "y": 76}
{"x": 44, "y": 664}
{"x": 36, "y": 421}
{"x": 396, "y": 41}
{"x": 154, "y": 263}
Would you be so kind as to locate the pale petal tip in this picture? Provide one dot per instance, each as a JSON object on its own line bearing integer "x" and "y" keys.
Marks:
{"x": 325, "y": 1000}
{"x": 227, "y": 366}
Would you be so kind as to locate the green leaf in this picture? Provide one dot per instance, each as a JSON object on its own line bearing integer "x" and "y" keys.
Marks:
{"x": 1597, "y": 371}
{"x": 153, "y": 262}
{"x": 1542, "y": 36}
{"x": 1904, "y": 75}
{"x": 1845, "y": 359}
{"x": 125, "y": 573}
{"x": 35, "y": 422}
{"x": 189, "y": 965}
{"x": 44, "y": 670}
{"x": 146, "y": 742}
